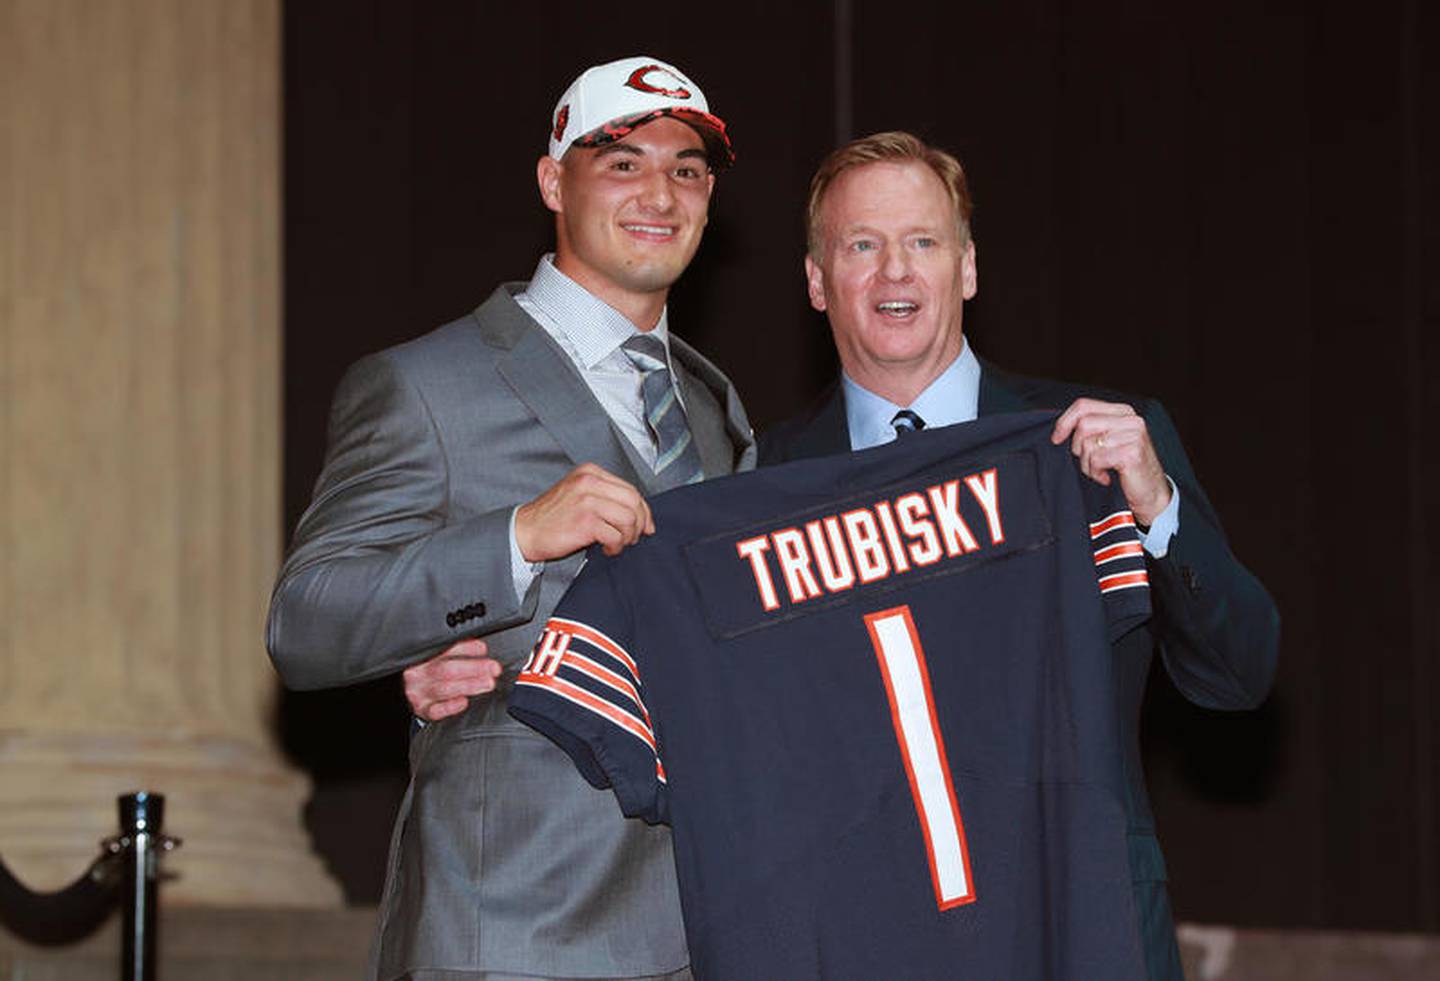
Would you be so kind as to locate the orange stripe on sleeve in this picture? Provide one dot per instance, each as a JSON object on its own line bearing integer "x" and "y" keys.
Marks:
{"x": 1123, "y": 580}
{"x": 574, "y": 693}
{"x": 1123, "y": 550}
{"x": 593, "y": 636}
{"x": 605, "y": 676}
{"x": 1120, "y": 519}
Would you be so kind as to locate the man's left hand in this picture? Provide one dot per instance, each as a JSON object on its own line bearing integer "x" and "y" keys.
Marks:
{"x": 443, "y": 686}
{"x": 1110, "y": 436}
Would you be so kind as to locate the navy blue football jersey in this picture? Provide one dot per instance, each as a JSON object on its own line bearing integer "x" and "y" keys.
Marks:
{"x": 872, "y": 694}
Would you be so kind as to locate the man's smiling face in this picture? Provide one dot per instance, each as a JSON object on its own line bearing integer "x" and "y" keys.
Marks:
{"x": 630, "y": 213}
{"x": 892, "y": 276}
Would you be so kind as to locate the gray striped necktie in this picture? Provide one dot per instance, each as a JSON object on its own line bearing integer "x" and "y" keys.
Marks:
{"x": 677, "y": 461}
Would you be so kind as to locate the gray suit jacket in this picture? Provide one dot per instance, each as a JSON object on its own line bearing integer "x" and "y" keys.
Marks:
{"x": 503, "y": 858}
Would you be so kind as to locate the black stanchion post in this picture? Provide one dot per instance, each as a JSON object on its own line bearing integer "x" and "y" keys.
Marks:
{"x": 141, "y": 816}
{"x": 139, "y": 844}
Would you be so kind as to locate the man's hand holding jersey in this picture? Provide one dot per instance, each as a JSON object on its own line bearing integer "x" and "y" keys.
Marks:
{"x": 1112, "y": 436}
{"x": 588, "y": 506}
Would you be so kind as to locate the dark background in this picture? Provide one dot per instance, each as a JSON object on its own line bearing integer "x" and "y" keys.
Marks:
{"x": 1233, "y": 208}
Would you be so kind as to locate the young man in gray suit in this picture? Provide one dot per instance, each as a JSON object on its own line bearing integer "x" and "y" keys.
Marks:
{"x": 467, "y": 471}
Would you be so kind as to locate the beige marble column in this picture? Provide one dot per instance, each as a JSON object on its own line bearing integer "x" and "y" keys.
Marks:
{"x": 139, "y": 441}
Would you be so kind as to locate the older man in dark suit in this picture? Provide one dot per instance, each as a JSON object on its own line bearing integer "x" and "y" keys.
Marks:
{"x": 467, "y": 471}
{"x": 891, "y": 263}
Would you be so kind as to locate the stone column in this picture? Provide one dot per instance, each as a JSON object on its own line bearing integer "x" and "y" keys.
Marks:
{"x": 140, "y": 486}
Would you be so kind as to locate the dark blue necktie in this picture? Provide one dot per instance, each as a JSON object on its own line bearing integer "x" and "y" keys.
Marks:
{"x": 906, "y": 422}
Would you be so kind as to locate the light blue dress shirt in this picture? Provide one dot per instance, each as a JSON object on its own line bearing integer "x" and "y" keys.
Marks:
{"x": 954, "y": 397}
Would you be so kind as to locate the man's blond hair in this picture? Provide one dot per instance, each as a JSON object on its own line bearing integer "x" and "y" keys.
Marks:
{"x": 890, "y": 147}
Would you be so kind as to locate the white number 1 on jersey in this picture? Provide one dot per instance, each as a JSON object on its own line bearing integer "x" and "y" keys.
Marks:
{"x": 912, "y": 710}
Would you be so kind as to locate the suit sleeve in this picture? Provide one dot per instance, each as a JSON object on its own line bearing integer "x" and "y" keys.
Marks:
{"x": 1218, "y": 628}
{"x": 379, "y": 576}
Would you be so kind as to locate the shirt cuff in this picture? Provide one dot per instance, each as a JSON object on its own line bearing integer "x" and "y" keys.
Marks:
{"x": 521, "y": 571}
{"x": 1165, "y": 525}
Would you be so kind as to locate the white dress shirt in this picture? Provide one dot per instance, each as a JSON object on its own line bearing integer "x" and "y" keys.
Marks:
{"x": 590, "y": 332}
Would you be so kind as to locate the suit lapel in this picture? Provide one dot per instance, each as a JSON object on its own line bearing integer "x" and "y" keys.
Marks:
{"x": 545, "y": 380}
{"x": 707, "y": 424}
{"x": 996, "y": 396}
{"x": 721, "y": 434}
{"x": 829, "y": 430}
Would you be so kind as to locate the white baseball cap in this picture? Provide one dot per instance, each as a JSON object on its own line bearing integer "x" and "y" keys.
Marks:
{"x": 608, "y": 101}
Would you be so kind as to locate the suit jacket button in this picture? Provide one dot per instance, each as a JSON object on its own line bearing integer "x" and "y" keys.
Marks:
{"x": 449, "y": 619}
{"x": 479, "y": 609}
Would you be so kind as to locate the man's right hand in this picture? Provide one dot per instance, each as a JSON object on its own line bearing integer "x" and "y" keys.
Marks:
{"x": 442, "y": 686}
{"x": 589, "y": 505}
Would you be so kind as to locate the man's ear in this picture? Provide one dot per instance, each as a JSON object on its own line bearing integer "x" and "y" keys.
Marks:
{"x": 547, "y": 175}
{"x": 815, "y": 283}
{"x": 969, "y": 272}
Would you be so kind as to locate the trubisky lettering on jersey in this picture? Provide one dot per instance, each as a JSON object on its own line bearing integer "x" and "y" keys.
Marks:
{"x": 872, "y": 542}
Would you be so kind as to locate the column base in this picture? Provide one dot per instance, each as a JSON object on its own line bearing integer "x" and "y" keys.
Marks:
{"x": 212, "y": 945}
{"x": 236, "y": 807}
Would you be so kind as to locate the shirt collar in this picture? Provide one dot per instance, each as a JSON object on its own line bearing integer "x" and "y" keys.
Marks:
{"x": 594, "y": 329}
{"x": 954, "y": 396}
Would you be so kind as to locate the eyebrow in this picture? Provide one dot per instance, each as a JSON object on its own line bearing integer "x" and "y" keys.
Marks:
{"x": 860, "y": 228}
{"x": 617, "y": 147}
{"x": 635, "y": 151}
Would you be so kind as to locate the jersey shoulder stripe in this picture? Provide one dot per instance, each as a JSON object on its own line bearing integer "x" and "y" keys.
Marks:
{"x": 597, "y": 638}
{"x": 1121, "y": 550}
{"x": 1111, "y": 522}
{"x": 595, "y": 657}
{"x": 587, "y": 668}
{"x": 1124, "y": 580}
{"x": 588, "y": 700}
{"x": 1119, "y": 555}
{"x": 610, "y": 679}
